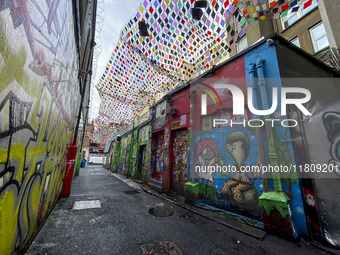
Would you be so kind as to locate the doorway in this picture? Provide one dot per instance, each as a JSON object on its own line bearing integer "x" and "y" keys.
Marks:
{"x": 179, "y": 162}
{"x": 141, "y": 161}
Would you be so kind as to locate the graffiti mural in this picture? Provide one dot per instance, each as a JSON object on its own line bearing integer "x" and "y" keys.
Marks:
{"x": 239, "y": 191}
{"x": 206, "y": 154}
{"x": 142, "y": 151}
{"x": 160, "y": 155}
{"x": 39, "y": 97}
{"x": 179, "y": 161}
{"x": 124, "y": 154}
{"x": 323, "y": 148}
{"x": 228, "y": 190}
{"x": 144, "y": 134}
{"x": 300, "y": 154}
{"x": 331, "y": 121}
{"x": 238, "y": 146}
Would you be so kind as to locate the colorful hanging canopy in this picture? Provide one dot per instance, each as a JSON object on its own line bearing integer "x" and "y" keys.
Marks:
{"x": 177, "y": 43}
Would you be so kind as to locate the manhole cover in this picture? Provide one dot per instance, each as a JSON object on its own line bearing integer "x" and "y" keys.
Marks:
{"x": 161, "y": 211}
{"x": 161, "y": 248}
{"x": 87, "y": 204}
{"x": 131, "y": 192}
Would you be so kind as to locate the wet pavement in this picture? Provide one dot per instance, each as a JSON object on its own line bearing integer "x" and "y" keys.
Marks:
{"x": 112, "y": 217}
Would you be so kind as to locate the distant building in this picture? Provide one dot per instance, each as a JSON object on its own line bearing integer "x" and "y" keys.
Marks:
{"x": 90, "y": 146}
{"x": 311, "y": 25}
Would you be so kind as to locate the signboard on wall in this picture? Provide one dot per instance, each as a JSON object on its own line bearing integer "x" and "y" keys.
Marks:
{"x": 183, "y": 120}
{"x": 175, "y": 125}
{"x": 179, "y": 123}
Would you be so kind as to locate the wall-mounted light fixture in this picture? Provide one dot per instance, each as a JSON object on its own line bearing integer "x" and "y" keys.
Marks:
{"x": 197, "y": 12}
{"x": 169, "y": 106}
{"x": 143, "y": 30}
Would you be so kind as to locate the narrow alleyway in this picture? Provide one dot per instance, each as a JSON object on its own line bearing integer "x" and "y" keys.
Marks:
{"x": 123, "y": 224}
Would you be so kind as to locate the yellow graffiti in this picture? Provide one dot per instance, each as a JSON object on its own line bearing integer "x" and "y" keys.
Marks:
{"x": 57, "y": 136}
{"x": 33, "y": 155}
{"x": 8, "y": 222}
{"x": 35, "y": 199}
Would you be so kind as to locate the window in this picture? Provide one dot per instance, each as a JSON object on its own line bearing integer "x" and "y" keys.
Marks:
{"x": 319, "y": 37}
{"x": 289, "y": 19}
{"x": 296, "y": 12}
{"x": 242, "y": 44}
{"x": 296, "y": 41}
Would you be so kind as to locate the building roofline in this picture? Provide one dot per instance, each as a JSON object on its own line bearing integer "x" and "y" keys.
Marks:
{"x": 276, "y": 37}
{"x": 282, "y": 40}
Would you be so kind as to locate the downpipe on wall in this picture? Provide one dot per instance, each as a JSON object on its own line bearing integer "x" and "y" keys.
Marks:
{"x": 275, "y": 204}
{"x": 72, "y": 154}
{"x": 262, "y": 157}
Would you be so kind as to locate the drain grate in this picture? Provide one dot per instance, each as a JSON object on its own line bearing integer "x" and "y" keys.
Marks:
{"x": 131, "y": 192}
{"x": 161, "y": 211}
{"x": 87, "y": 204}
{"x": 161, "y": 248}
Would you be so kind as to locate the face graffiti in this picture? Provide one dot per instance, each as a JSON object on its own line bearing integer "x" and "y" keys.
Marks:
{"x": 331, "y": 122}
{"x": 238, "y": 146}
{"x": 217, "y": 168}
{"x": 206, "y": 154}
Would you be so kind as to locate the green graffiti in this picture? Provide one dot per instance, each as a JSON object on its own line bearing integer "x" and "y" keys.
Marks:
{"x": 140, "y": 139}
{"x": 283, "y": 159}
{"x": 116, "y": 156}
{"x": 275, "y": 201}
{"x": 200, "y": 189}
{"x": 189, "y": 138}
{"x": 78, "y": 163}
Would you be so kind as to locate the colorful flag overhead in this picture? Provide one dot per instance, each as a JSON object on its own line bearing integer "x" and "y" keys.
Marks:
{"x": 166, "y": 43}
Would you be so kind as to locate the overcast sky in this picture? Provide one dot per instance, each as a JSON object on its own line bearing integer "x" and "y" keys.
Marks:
{"x": 116, "y": 14}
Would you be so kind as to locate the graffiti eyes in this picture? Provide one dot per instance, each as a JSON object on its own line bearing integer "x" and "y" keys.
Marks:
{"x": 230, "y": 148}
{"x": 208, "y": 153}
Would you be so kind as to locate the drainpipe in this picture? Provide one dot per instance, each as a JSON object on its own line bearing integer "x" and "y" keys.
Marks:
{"x": 272, "y": 152}
{"x": 72, "y": 153}
{"x": 258, "y": 132}
{"x": 87, "y": 72}
{"x": 273, "y": 203}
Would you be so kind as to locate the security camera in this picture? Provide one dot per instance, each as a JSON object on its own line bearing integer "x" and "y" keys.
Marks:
{"x": 270, "y": 42}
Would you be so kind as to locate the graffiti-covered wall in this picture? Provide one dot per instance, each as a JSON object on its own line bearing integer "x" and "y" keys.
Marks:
{"x": 324, "y": 148}
{"x": 123, "y": 162}
{"x": 39, "y": 98}
{"x": 141, "y": 153}
{"x": 225, "y": 158}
